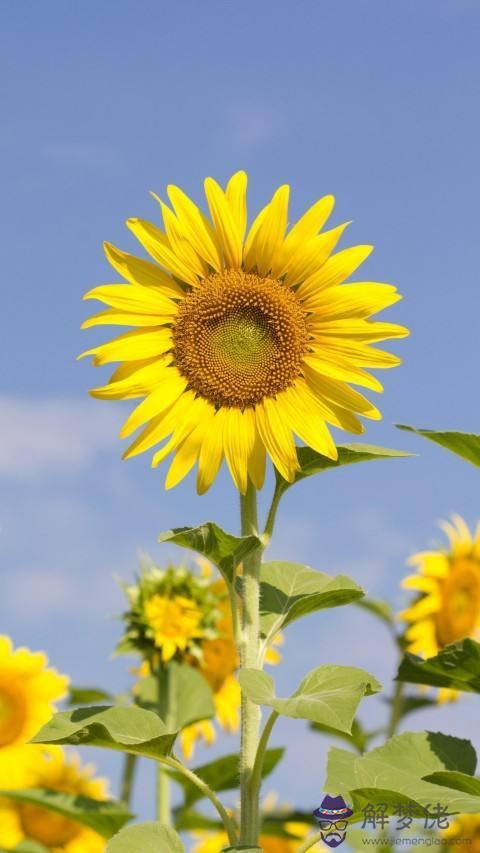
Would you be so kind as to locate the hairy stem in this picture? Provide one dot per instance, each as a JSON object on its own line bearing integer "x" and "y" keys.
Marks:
{"x": 249, "y": 654}
{"x": 272, "y": 512}
{"x": 164, "y": 810}
{"x": 128, "y": 775}
{"x": 260, "y": 756}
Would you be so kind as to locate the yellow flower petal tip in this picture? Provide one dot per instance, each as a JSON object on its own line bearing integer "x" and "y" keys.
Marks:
{"x": 244, "y": 339}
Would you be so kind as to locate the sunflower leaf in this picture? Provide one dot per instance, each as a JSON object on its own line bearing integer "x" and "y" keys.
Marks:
{"x": 221, "y": 548}
{"x": 221, "y": 774}
{"x": 191, "y": 697}
{"x": 312, "y": 462}
{"x": 127, "y": 729}
{"x": 88, "y": 695}
{"x": 148, "y": 837}
{"x": 456, "y": 780}
{"x": 464, "y": 444}
{"x": 456, "y": 666}
{"x": 103, "y": 816}
{"x": 328, "y": 695}
{"x": 381, "y": 609}
{"x": 395, "y": 773}
{"x": 289, "y": 591}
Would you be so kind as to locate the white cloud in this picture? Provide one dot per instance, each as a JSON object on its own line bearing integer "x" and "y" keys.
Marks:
{"x": 52, "y": 435}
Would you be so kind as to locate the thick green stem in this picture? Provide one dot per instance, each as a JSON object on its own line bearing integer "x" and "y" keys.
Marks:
{"x": 272, "y": 512}
{"x": 128, "y": 776}
{"x": 309, "y": 843}
{"x": 164, "y": 809}
{"x": 396, "y": 709}
{"x": 249, "y": 657}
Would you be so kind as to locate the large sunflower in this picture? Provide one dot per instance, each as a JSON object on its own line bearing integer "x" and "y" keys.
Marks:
{"x": 21, "y": 822}
{"x": 447, "y": 583}
{"x": 240, "y": 343}
{"x": 28, "y": 691}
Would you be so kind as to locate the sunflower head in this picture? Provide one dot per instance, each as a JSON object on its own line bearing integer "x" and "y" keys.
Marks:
{"x": 239, "y": 343}
{"x": 28, "y": 692}
{"x": 447, "y": 586}
{"x": 171, "y": 614}
{"x": 55, "y": 772}
{"x": 463, "y": 834}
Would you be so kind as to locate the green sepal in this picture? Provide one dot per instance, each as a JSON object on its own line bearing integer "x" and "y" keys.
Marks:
{"x": 125, "y": 729}
{"x": 329, "y": 694}
{"x": 223, "y": 549}
{"x": 148, "y": 837}
{"x": 103, "y": 816}
{"x": 463, "y": 444}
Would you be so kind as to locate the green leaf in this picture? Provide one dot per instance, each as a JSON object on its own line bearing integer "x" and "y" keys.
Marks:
{"x": 221, "y": 774}
{"x": 359, "y": 737}
{"x": 381, "y": 609}
{"x": 242, "y": 849}
{"x": 328, "y": 694}
{"x": 457, "y": 666}
{"x": 291, "y": 590}
{"x": 209, "y": 540}
{"x": 88, "y": 696}
{"x": 148, "y": 837}
{"x": 312, "y": 462}
{"x": 129, "y": 729}
{"x": 456, "y": 780}
{"x": 464, "y": 444}
{"x": 395, "y": 772}
{"x": 190, "y": 696}
{"x": 104, "y": 817}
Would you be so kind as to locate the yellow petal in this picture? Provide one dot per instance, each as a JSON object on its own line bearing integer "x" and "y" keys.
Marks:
{"x": 277, "y": 438}
{"x": 340, "y": 394}
{"x": 196, "y": 227}
{"x": 236, "y": 193}
{"x": 132, "y": 346}
{"x": 269, "y": 234}
{"x": 180, "y": 243}
{"x": 161, "y": 426}
{"x": 355, "y": 300}
{"x": 360, "y": 353}
{"x": 171, "y": 386}
{"x": 334, "y": 271}
{"x": 421, "y": 583}
{"x": 257, "y": 461}
{"x": 185, "y": 457}
{"x": 136, "y": 382}
{"x": 356, "y": 329}
{"x": 427, "y": 605}
{"x": 344, "y": 371}
{"x": 138, "y": 271}
{"x": 132, "y": 298}
{"x": 225, "y": 224}
{"x": 116, "y": 317}
{"x": 210, "y": 459}
{"x": 302, "y": 414}
{"x": 238, "y": 442}
{"x": 158, "y": 246}
{"x": 304, "y": 229}
{"x": 309, "y": 259}
{"x": 432, "y": 563}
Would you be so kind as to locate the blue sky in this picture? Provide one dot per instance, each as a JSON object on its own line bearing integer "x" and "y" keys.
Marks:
{"x": 101, "y": 103}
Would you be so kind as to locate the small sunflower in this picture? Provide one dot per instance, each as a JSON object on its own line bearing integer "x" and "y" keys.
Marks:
{"x": 28, "y": 691}
{"x": 447, "y": 607}
{"x": 21, "y": 821}
{"x": 239, "y": 343}
{"x": 463, "y": 834}
{"x": 171, "y": 614}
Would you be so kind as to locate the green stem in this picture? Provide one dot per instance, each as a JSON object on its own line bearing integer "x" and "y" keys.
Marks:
{"x": 128, "y": 775}
{"x": 164, "y": 809}
{"x": 396, "y": 709}
{"x": 261, "y": 751}
{"x": 249, "y": 652}
{"x": 309, "y": 843}
{"x": 272, "y": 512}
{"x": 227, "y": 820}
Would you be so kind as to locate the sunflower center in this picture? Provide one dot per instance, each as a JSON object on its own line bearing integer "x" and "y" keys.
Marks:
{"x": 52, "y": 830}
{"x": 460, "y": 602}
{"x": 12, "y": 715}
{"x": 239, "y": 338}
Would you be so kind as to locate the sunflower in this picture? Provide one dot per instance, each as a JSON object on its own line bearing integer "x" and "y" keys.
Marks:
{"x": 56, "y": 772}
{"x": 463, "y": 834}
{"x": 447, "y": 583}
{"x": 219, "y": 662}
{"x": 238, "y": 344}
{"x": 28, "y": 690}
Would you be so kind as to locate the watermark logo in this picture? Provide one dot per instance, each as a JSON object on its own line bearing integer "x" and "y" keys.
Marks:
{"x": 332, "y": 816}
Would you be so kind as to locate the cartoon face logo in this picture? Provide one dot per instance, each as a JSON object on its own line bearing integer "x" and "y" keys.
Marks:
{"x": 332, "y": 817}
